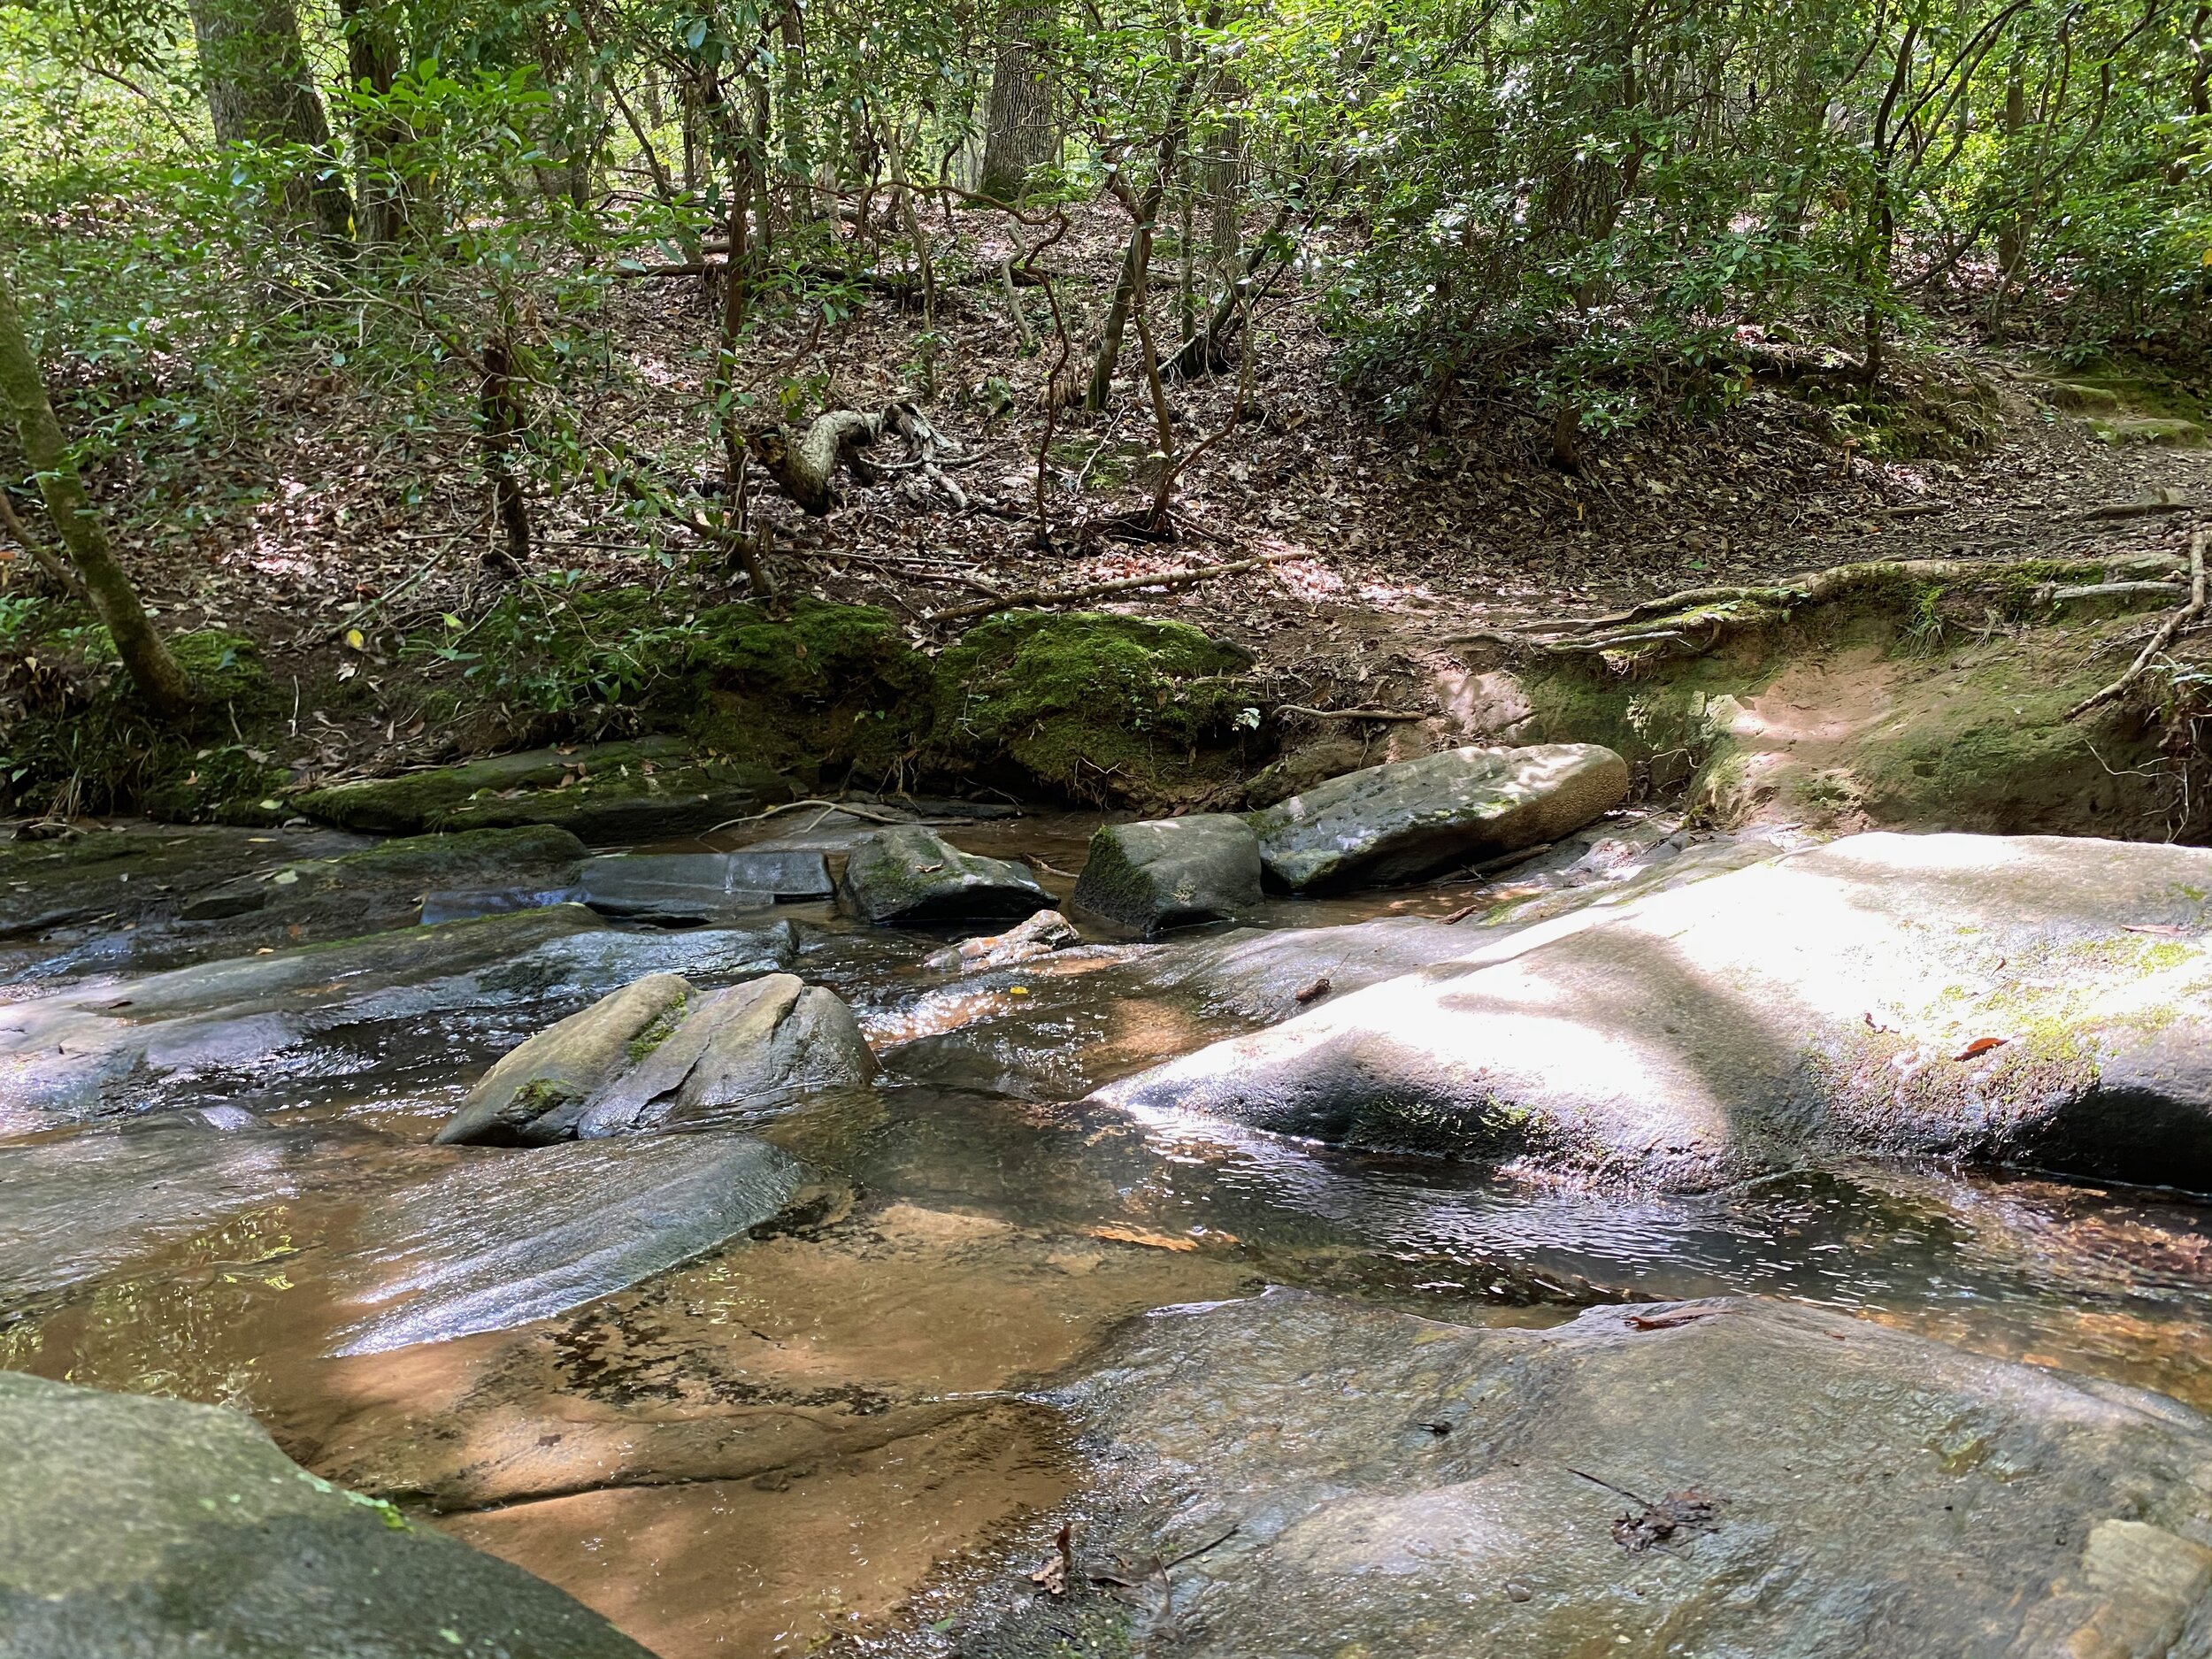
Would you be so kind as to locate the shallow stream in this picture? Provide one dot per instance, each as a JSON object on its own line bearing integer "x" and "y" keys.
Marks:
{"x": 747, "y": 1437}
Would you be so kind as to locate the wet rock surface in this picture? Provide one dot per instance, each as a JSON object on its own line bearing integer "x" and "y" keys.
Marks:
{"x": 744, "y": 1050}
{"x": 251, "y": 1028}
{"x": 674, "y": 887}
{"x": 1171, "y": 872}
{"x": 1041, "y": 935}
{"x": 1414, "y": 818}
{"x": 134, "y": 1526}
{"x": 1733, "y": 1477}
{"x": 2030, "y": 1000}
{"x": 910, "y": 875}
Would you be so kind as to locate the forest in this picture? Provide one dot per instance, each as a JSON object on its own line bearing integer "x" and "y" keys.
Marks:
{"x": 997, "y": 829}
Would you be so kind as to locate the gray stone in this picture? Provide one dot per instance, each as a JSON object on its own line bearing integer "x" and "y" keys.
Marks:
{"x": 159, "y": 1530}
{"x": 1171, "y": 872}
{"x": 788, "y": 873}
{"x": 670, "y": 886}
{"x": 503, "y": 1238}
{"x": 1413, "y": 818}
{"x": 1041, "y": 935}
{"x": 1724, "y": 1477}
{"x": 2025, "y": 999}
{"x": 909, "y": 874}
{"x": 750, "y": 1049}
{"x": 569, "y": 1060}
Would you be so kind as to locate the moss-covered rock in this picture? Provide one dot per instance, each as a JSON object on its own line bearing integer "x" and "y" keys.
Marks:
{"x": 814, "y": 689}
{"x": 603, "y": 792}
{"x": 1096, "y": 707}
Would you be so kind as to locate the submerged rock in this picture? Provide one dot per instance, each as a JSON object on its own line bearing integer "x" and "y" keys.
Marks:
{"x": 566, "y": 1063}
{"x": 1724, "y": 1477}
{"x": 501, "y": 1239}
{"x": 671, "y": 888}
{"x": 137, "y": 1525}
{"x": 747, "y": 1049}
{"x": 1171, "y": 872}
{"x": 2030, "y": 1000}
{"x": 1041, "y": 935}
{"x": 1412, "y": 818}
{"x": 909, "y": 874}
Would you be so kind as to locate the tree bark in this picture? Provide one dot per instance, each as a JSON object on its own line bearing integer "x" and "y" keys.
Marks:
{"x": 1019, "y": 134}
{"x": 806, "y": 468}
{"x": 156, "y": 674}
{"x": 260, "y": 91}
{"x": 373, "y": 63}
{"x": 500, "y": 410}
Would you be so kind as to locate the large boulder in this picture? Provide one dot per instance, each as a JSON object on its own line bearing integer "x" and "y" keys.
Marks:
{"x": 1171, "y": 872}
{"x": 2032, "y": 1000}
{"x": 1413, "y": 818}
{"x": 131, "y": 1525}
{"x": 908, "y": 874}
{"x": 745, "y": 1051}
{"x": 1321, "y": 1479}
{"x": 567, "y": 1062}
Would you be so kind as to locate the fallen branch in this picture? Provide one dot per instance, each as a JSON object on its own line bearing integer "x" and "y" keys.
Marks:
{"x": 1348, "y": 714}
{"x": 1040, "y": 596}
{"x": 56, "y": 571}
{"x": 2160, "y": 641}
{"x": 846, "y": 807}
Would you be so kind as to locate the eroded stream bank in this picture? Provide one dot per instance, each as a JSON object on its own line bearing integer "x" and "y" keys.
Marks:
{"x": 822, "y": 1376}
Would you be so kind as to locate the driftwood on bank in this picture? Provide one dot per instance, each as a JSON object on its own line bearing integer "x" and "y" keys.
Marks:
{"x": 1034, "y": 598}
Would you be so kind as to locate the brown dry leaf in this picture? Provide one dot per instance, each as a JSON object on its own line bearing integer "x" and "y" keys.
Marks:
{"x": 1669, "y": 1318}
{"x": 1138, "y": 1235}
{"x": 1980, "y": 1045}
{"x": 1313, "y": 993}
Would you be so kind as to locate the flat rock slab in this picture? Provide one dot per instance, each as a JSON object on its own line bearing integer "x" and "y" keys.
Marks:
{"x": 1717, "y": 1477}
{"x": 1171, "y": 872}
{"x": 508, "y": 1237}
{"x": 911, "y": 875}
{"x": 2027, "y": 1000}
{"x": 670, "y": 887}
{"x": 148, "y": 1526}
{"x": 1413, "y": 818}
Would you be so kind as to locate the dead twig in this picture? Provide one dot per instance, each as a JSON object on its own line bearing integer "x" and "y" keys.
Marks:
{"x": 792, "y": 806}
{"x": 1348, "y": 714}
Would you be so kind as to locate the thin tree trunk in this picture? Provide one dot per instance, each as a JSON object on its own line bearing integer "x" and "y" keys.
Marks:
{"x": 372, "y": 63}
{"x": 500, "y": 407}
{"x": 157, "y": 674}
{"x": 260, "y": 91}
{"x": 1019, "y": 134}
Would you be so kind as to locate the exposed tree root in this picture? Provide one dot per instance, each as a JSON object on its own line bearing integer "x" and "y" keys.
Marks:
{"x": 1040, "y": 596}
{"x": 2159, "y": 640}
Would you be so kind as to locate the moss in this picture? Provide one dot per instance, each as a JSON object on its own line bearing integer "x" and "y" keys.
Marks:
{"x": 660, "y": 1031}
{"x": 226, "y": 670}
{"x": 816, "y": 690}
{"x": 1094, "y": 707}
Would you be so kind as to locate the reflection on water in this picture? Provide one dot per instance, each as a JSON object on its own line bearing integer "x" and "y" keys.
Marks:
{"x": 756, "y": 1442}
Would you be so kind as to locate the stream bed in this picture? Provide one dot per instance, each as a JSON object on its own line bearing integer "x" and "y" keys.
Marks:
{"x": 761, "y": 1394}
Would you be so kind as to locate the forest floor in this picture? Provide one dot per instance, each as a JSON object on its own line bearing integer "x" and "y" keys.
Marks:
{"x": 1384, "y": 539}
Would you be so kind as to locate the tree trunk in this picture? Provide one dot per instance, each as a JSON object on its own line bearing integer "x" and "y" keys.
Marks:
{"x": 260, "y": 91}
{"x": 158, "y": 676}
{"x": 500, "y": 409}
{"x": 372, "y": 63}
{"x": 806, "y": 469}
{"x": 1020, "y": 134}
{"x": 2012, "y": 240}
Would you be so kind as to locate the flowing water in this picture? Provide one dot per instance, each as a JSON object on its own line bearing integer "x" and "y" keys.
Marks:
{"x": 753, "y": 1399}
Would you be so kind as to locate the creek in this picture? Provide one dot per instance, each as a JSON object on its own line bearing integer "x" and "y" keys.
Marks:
{"x": 749, "y": 1399}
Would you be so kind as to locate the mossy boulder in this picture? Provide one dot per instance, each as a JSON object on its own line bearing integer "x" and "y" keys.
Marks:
{"x": 603, "y": 792}
{"x": 814, "y": 688}
{"x": 1097, "y": 708}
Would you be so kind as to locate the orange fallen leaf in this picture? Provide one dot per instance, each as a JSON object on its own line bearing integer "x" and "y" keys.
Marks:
{"x": 1136, "y": 1235}
{"x": 1980, "y": 1045}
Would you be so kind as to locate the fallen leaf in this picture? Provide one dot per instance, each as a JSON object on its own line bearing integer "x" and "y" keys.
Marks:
{"x": 356, "y": 638}
{"x": 1312, "y": 993}
{"x": 1980, "y": 1045}
{"x": 1137, "y": 1235}
{"x": 1669, "y": 1318}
